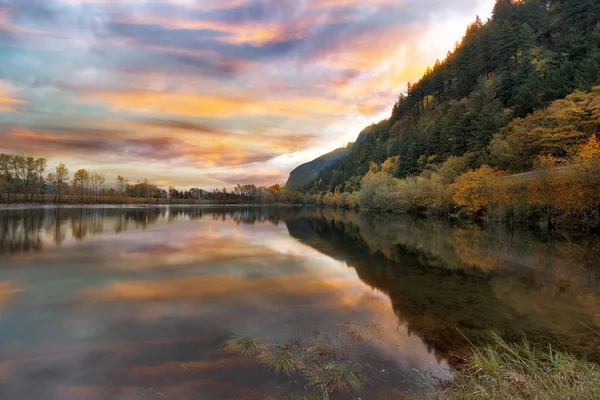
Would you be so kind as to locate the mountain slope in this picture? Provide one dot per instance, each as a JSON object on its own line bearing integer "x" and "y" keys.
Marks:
{"x": 302, "y": 177}
{"x": 529, "y": 54}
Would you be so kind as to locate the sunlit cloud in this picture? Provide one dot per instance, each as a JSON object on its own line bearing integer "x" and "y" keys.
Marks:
{"x": 207, "y": 105}
{"x": 8, "y": 101}
{"x": 227, "y": 90}
{"x": 164, "y": 142}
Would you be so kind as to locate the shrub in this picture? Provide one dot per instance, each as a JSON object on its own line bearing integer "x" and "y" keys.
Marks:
{"x": 478, "y": 189}
{"x": 351, "y": 201}
{"x": 340, "y": 199}
{"x": 377, "y": 191}
{"x": 328, "y": 200}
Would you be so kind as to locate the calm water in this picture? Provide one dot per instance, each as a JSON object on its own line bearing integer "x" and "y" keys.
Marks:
{"x": 125, "y": 303}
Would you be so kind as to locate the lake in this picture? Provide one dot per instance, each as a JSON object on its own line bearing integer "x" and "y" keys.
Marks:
{"x": 136, "y": 302}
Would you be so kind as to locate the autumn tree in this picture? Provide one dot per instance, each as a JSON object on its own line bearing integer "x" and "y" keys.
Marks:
{"x": 555, "y": 130}
{"x": 377, "y": 190}
{"x": 81, "y": 181}
{"x": 545, "y": 186}
{"x": 61, "y": 178}
{"x": 587, "y": 174}
{"x": 476, "y": 190}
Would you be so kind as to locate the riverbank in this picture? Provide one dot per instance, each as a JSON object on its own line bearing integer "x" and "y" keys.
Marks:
{"x": 523, "y": 371}
{"x": 499, "y": 371}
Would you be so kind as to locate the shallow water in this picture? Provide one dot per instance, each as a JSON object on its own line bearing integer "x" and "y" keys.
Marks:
{"x": 124, "y": 303}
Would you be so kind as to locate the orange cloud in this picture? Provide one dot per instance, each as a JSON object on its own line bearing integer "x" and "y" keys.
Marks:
{"x": 344, "y": 3}
{"x": 182, "y": 142}
{"x": 207, "y": 105}
{"x": 204, "y": 5}
{"x": 234, "y": 33}
{"x": 7, "y": 99}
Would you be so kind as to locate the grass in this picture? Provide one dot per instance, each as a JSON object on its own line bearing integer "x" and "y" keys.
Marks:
{"x": 246, "y": 345}
{"x": 321, "y": 359}
{"x": 335, "y": 377}
{"x": 522, "y": 371}
{"x": 500, "y": 371}
{"x": 283, "y": 359}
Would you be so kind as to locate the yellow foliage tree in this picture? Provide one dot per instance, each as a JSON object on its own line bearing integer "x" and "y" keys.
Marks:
{"x": 478, "y": 189}
{"x": 587, "y": 173}
{"x": 546, "y": 185}
{"x": 556, "y": 130}
{"x": 390, "y": 165}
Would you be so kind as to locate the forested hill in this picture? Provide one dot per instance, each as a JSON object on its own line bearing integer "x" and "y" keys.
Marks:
{"x": 303, "y": 177}
{"x": 476, "y": 104}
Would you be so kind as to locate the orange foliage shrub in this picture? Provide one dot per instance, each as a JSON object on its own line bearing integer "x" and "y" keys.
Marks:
{"x": 478, "y": 189}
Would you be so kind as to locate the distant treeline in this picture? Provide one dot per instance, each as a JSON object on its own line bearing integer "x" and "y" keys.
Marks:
{"x": 24, "y": 179}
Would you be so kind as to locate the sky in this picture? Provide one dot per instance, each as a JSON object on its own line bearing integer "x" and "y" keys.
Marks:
{"x": 209, "y": 93}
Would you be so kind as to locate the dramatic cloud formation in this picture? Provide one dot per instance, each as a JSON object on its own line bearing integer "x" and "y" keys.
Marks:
{"x": 209, "y": 92}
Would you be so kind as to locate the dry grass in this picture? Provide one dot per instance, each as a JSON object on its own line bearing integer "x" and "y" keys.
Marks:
{"x": 522, "y": 371}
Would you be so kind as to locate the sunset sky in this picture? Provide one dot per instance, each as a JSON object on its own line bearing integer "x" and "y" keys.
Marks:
{"x": 209, "y": 93}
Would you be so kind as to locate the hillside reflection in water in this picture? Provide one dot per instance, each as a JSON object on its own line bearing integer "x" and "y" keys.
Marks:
{"x": 116, "y": 302}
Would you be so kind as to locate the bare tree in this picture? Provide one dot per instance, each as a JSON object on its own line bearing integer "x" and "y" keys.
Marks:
{"x": 18, "y": 172}
{"x": 40, "y": 168}
{"x": 5, "y": 174}
{"x": 96, "y": 179}
{"x": 101, "y": 178}
{"x": 122, "y": 186}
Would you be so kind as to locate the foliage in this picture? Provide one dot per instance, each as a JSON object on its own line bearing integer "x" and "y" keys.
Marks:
{"x": 22, "y": 179}
{"x": 328, "y": 200}
{"x": 22, "y": 175}
{"x": 452, "y": 167}
{"x": 586, "y": 173}
{"x": 377, "y": 191}
{"x": 556, "y": 130}
{"x": 486, "y": 101}
{"x": 351, "y": 201}
{"x": 476, "y": 190}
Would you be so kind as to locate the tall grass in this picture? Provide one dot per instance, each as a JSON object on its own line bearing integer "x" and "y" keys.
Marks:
{"x": 522, "y": 371}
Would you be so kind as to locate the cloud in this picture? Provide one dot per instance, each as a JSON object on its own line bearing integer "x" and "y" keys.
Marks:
{"x": 8, "y": 102}
{"x": 258, "y": 175}
{"x": 168, "y": 141}
{"x": 210, "y": 105}
{"x": 235, "y": 86}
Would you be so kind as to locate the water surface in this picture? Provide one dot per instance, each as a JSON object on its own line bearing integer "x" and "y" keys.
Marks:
{"x": 123, "y": 303}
